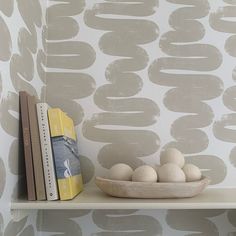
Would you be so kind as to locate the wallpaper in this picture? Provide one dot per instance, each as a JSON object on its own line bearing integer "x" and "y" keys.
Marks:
{"x": 136, "y": 76}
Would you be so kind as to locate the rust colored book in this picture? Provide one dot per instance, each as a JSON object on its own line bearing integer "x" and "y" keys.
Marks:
{"x": 27, "y": 146}
{"x": 36, "y": 149}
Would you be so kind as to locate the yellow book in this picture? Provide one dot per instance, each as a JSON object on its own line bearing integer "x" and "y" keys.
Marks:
{"x": 60, "y": 124}
{"x": 65, "y": 152}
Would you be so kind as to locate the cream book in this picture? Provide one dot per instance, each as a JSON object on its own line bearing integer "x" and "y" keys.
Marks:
{"x": 47, "y": 155}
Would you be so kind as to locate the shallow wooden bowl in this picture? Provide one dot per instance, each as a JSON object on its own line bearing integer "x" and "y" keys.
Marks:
{"x": 129, "y": 189}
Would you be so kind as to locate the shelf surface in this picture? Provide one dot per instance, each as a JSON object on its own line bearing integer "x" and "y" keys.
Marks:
{"x": 94, "y": 198}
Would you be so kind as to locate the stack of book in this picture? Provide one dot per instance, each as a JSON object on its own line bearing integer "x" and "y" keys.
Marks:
{"x": 50, "y": 151}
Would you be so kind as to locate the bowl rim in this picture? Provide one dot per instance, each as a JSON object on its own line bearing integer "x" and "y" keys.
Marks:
{"x": 203, "y": 179}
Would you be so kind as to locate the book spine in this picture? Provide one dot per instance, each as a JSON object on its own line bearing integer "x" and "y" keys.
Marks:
{"x": 36, "y": 149}
{"x": 27, "y": 146}
{"x": 48, "y": 162}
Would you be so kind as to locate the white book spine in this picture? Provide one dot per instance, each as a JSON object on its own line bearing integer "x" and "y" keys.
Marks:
{"x": 48, "y": 163}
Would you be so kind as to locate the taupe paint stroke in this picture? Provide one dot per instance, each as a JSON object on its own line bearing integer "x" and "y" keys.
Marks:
{"x": 189, "y": 90}
{"x": 232, "y": 156}
{"x": 6, "y": 6}
{"x": 0, "y": 87}
{"x": 2, "y": 177}
{"x": 11, "y": 125}
{"x": 6, "y": 43}
{"x": 230, "y": 1}
{"x": 223, "y": 131}
{"x": 22, "y": 71}
{"x": 198, "y": 222}
{"x": 15, "y": 227}
{"x": 209, "y": 166}
{"x": 22, "y": 65}
{"x": 129, "y": 8}
{"x": 19, "y": 189}
{"x": 231, "y": 215}
{"x": 218, "y": 21}
{"x": 21, "y": 74}
{"x": 60, "y": 62}
{"x": 87, "y": 168}
{"x": 32, "y": 19}
{"x": 16, "y": 165}
{"x": 60, "y": 23}
{"x": 60, "y": 222}
{"x": 124, "y": 39}
{"x": 1, "y": 225}
{"x": 72, "y": 55}
{"x": 223, "y": 128}
{"x": 28, "y": 231}
{"x": 65, "y": 54}
{"x": 9, "y": 122}
{"x": 124, "y": 223}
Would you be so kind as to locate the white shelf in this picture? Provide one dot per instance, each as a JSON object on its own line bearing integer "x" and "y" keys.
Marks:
{"x": 93, "y": 198}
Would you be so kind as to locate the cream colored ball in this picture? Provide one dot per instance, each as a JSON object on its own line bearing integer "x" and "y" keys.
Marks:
{"x": 172, "y": 155}
{"x": 145, "y": 173}
{"x": 171, "y": 172}
{"x": 192, "y": 172}
{"x": 120, "y": 171}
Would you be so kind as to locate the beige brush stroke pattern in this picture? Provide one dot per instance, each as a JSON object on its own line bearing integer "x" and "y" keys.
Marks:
{"x": 198, "y": 222}
{"x": 223, "y": 128}
{"x": 27, "y": 231}
{"x": 21, "y": 74}
{"x": 209, "y": 166}
{"x": 2, "y": 177}
{"x": 9, "y": 122}
{"x": 60, "y": 222}
{"x": 87, "y": 168}
{"x": 1, "y": 88}
{"x": 231, "y": 215}
{"x": 15, "y": 227}
{"x": 1, "y": 225}
{"x": 69, "y": 86}
{"x": 125, "y": 223}
{"x": 22, "y": 65}
{"x": 5, "y": 45}
{"x": 124, "y": 39}
{"x": 59, "y": 18}
{"x": 6, "y": 7}
{"x": 60, "y": 62}
{"x": 62, "y": 52}
{"x": 189, "y": 90}
{"x": 16, "y": 165}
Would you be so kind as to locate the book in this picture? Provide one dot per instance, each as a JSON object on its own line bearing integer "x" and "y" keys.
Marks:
{"x": 65, "y": 151}
{"x": 36, "y": 149}
{"x": 47, "y": 155}
{"x": 27, "y": 146}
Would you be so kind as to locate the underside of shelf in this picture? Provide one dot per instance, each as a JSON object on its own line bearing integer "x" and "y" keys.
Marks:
{"x": 93, "y": 198}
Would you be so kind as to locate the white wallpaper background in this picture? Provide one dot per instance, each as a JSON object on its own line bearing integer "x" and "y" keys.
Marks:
{"x": 136, "y": 76}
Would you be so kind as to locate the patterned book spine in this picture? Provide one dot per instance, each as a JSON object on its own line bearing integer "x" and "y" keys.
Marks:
{"x": 48, "y": 163}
